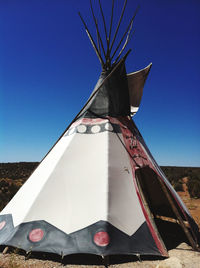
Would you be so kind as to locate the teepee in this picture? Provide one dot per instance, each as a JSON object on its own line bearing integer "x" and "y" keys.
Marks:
{"x": 99, "y": 190}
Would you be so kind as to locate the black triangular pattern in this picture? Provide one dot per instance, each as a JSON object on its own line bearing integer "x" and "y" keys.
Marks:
{"x": 56, "y": 241}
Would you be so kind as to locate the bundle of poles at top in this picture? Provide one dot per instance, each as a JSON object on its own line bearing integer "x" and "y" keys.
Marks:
{"x": 107, "y": 58}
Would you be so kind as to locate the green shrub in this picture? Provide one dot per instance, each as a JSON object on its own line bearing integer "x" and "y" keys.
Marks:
{"x": 178, "y": 186}
{"x": 194, "y": 187}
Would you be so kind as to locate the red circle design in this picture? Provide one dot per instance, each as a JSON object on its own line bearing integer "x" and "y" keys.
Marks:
{"x": 2, "y": 224}
{"x": 101, "y": 239}
{"x": 36, "y": 235}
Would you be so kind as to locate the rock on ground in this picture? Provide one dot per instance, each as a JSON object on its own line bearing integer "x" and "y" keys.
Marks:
{"x": 172, "y": 262}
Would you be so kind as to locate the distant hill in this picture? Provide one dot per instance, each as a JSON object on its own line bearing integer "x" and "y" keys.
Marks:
{"x": 13, "y": 175}
{"x": 20, "y": 170}
{"x": 175, "y": 173}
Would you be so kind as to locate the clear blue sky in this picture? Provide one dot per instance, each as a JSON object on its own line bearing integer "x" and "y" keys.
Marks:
{"x": 48, "y": 70}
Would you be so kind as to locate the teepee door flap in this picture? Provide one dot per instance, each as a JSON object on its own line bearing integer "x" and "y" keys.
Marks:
{"x": 145, "y": 200}
{"x": 159, "y": 202}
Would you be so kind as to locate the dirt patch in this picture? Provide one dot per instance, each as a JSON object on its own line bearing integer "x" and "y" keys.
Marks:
{"x": 192, "y": 204}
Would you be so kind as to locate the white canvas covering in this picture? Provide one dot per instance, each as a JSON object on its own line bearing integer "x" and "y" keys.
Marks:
{"x": 85, "y": 178}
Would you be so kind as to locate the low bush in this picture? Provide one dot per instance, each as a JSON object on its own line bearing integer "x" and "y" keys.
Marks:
{"x": 178, "y": 186}
{"x": 193, "y": 185}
